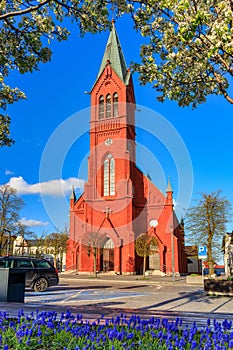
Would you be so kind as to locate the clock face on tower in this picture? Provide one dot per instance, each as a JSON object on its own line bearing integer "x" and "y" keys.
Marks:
{"x": 153, "y": 223}
{"x": 108, "y": 141}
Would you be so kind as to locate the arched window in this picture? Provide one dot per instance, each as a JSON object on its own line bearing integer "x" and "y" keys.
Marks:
{"x": 108, "y": 106}
{"x": 115, "y": 105}
{"x": 109, "y": 176}
{"x": 101, "y": 107}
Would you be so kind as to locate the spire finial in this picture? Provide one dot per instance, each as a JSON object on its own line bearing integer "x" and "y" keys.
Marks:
{"x": 72, "y": 195}
{"x": 169, "y": 186}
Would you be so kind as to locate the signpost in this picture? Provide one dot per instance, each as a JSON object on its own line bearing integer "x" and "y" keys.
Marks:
{"x": 202, "y": 254}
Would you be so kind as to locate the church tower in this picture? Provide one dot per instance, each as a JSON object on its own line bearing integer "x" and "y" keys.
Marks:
{"x": 119, "y": 202}
{"x": 112, "y": 126}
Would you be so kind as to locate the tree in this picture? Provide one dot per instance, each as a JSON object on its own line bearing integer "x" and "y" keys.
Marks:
{"x": 10, "y": 206}
{"x": 95, "y": 242}
{"x": 145, "y": 245}
{"x": 40, "y": 244}
{"x": 57, "y": 242}
{"x": 189, "y": 49}
{"x": 206, "y": 223}
{"x": 26, "y": 28}
{"x": 187, "y": 55}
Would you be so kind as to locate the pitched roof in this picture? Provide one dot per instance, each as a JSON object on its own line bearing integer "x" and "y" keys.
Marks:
{"x": 113, "y": 54}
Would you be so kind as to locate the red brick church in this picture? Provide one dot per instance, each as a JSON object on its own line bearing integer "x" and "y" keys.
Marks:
{"x": 119, "y": 202}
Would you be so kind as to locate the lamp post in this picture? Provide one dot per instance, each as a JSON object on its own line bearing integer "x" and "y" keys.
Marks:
{"x": 8, "y": 241}
{"x": 173, "y": 258}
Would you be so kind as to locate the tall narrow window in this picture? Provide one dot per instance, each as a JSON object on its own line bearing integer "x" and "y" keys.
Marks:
{"x": 108, "y": 106}
{"x": 112, "y": 177}
{"x": 101, "y": 107}
{"x": 115, "y": 105}
{"x": 106, "y": 177}
{"x": 109, "y": 176}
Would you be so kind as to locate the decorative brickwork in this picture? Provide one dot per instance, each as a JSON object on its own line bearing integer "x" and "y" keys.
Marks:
{"x": 119, "y": 201}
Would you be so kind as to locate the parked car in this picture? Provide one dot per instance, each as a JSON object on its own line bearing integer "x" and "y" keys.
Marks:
{"x": 40, "y": 273}
{"x": 218, "y": 271}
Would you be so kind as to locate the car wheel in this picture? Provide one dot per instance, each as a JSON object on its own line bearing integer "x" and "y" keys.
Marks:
{"x": 41, "y": 285}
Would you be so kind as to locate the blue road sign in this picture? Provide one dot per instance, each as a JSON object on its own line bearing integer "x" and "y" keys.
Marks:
{"x": 202, "y": 252}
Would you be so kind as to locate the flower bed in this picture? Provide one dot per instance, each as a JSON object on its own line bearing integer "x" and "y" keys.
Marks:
{"x": 45, "y": 330}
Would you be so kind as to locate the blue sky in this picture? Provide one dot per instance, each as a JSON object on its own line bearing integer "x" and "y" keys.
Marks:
{"x": 56, "y": 92}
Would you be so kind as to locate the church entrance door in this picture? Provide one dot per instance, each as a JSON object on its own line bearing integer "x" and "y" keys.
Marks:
{"x": 107, "y": 256}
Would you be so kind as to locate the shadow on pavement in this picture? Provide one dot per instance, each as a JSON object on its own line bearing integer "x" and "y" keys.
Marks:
{"x": 134, "y": 287}
{"x": 67, "y": 287}
{"x": 182, "y": 299}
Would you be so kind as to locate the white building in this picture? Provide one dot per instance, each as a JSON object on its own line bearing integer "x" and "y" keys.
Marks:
{"x": 228, "y": 253}
{"x": 34, "y": 247}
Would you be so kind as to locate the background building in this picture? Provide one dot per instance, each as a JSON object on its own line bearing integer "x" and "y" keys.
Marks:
{"x": 228, "y": 253}
{"x": 37, "y": 247}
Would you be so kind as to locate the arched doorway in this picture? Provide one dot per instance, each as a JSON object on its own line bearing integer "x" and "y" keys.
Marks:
{"x": 107, "y": 256}
{"x": 154, "y": 258}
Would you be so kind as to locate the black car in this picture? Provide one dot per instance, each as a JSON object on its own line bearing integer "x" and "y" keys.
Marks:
{"x": 40, "y": 273}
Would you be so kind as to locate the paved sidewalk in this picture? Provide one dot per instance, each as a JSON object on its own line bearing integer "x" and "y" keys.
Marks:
{"x": 153, "y": 297}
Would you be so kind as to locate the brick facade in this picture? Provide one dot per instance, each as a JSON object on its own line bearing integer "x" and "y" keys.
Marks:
{"x": 119, "y": 201}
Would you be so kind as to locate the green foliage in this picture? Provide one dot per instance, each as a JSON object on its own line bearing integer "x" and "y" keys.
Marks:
{"x": 145, "y": 245}
{"x": 26, "y": 29}
{"x": 56, "y": 242}
{"x": 205, "y": 224}
{"x": 188, "y": 53}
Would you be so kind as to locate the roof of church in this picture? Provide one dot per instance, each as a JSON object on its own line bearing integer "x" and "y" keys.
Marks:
{"x": 113, "y": 54}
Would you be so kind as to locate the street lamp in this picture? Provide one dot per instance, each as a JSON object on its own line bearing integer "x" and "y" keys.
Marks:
{"x": 173, "y": 258}
{"x": 8, "y": 240}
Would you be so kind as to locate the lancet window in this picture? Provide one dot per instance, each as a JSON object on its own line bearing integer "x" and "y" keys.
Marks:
{"x": 101, "y": 107}
{"x": 108, "y": 106}
{"x": 109, "y": 176}
{"x": 115, "y": 105}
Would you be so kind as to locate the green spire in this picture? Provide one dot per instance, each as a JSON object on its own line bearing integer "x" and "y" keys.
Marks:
{"x": 169, "y": 186}
{"x": 113, "y": 54}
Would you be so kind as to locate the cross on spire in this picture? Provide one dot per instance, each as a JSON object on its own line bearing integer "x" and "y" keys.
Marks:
{"x": 107, "y": 211}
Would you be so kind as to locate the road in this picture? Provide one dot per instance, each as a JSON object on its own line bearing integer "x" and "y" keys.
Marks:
{"x": 114, "y": 295}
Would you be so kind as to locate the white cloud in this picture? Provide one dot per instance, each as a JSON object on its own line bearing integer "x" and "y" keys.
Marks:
{"x": 32, "y": 222}
{"x": 9, "y": 172}
{"x": 55, "y": 188}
